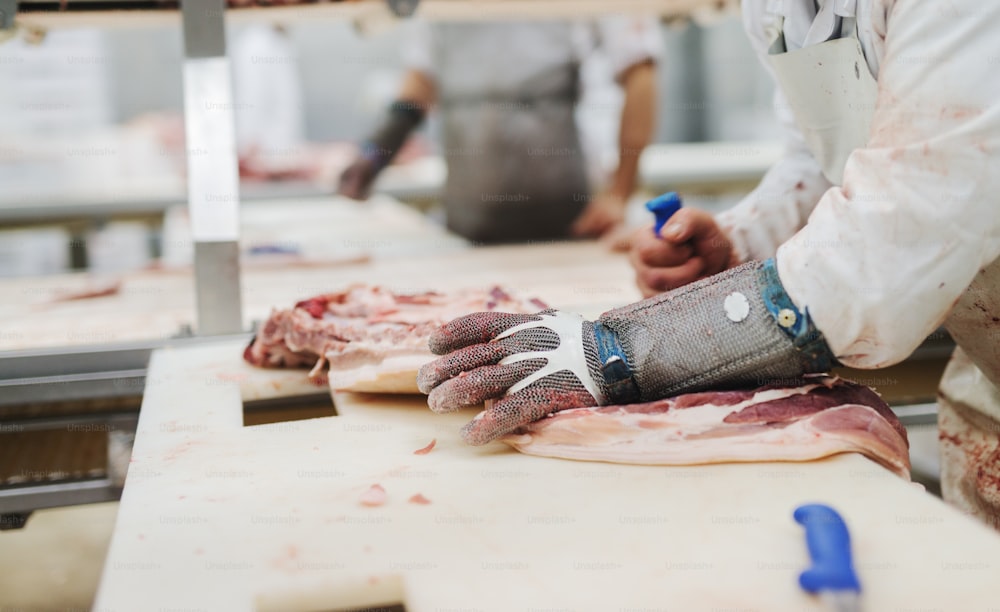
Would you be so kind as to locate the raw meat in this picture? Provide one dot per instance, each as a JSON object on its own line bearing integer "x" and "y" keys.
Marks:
{"x": 95, "y": 291}
{"x": 370, "y": 338}
{"x": 374, "y": 496}
{"x": 427, "y": 449}
{"x": 817, "y": 417}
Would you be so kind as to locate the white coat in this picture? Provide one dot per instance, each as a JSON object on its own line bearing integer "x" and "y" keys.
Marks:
{"x": 910, "y": 239}
{"x": 886, "y": 255}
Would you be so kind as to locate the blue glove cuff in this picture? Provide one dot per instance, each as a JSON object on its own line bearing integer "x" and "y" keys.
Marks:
{"x": 795, "y": 323}
{"x": 619, "y": 379}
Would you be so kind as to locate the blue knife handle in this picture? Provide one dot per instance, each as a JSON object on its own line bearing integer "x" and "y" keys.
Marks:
{"x": 664, "y": 207}
{"x": 830, "y": 549}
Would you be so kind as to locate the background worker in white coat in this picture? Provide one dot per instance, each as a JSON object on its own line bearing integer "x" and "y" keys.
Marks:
{"x": 879, "y": 224}
{"x": 507, "y": 93}
{"x": 270, "y": 115}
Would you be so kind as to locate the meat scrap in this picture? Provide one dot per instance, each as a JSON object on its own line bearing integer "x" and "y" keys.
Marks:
{"x": 374, "y": 496}
{"x": 368, "y": 337}
{"x": 425, "y": 450}
{"x": 95, "y": 291}
{"x": 820, "y": 417}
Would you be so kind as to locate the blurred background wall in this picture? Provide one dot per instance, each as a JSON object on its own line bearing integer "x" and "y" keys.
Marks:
{"x": 711, "y": 84}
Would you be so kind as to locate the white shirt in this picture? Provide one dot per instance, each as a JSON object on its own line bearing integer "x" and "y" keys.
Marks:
{"x": 884, "y": 257}
{"x": 267, "y": 91}
{"x": 627, "y": 40}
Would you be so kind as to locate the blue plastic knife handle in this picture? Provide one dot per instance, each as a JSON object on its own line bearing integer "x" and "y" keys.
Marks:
{"x": 664, "y": 207}
{"x": 830, "y": 549}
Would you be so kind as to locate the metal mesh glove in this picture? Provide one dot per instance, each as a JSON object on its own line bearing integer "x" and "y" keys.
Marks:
{"x": 735, "y": 328}
{"x": 525, "y": 366}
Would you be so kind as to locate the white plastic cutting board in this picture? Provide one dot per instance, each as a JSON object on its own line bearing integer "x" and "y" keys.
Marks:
{"x": 217, "y": 516}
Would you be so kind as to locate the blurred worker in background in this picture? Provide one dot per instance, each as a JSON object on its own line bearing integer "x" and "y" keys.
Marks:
{"x": 878, "y": 225}
{"x": 507, "y": 94}
{"x": 270, "y": 117}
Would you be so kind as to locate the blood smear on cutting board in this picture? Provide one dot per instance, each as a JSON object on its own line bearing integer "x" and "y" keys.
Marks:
{"x": 419, "y": 499}
{"x": 374, "y": 496}
{"x": 92, "y": 292}
{"x": 426, "y": 449}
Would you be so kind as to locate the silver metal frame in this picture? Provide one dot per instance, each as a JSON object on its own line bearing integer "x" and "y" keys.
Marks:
{"x": 213, "y": 178}
{"x": 18, "y": 500}
{"x": 64, "y": 374}
{"x": 25, "y": 500}
{"x": 8, "y": 10}
{"x": 67, "y": 374}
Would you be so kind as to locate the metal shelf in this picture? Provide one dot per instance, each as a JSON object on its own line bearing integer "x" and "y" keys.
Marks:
{"x": 146, "y": 14}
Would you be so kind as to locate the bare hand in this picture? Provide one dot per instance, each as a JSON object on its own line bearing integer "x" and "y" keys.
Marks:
{"x": 691, "y": 246}
{"x": 603, "y": 213}
{"x": 619, "y": 239}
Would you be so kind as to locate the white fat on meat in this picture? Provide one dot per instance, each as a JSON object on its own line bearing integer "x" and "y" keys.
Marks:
{"x": 809, "y": 421}
{"x": 370, "y": 338}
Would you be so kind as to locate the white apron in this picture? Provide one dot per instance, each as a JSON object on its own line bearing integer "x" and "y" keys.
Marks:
{"x": 832, "y": 96}
{"x": 830, "y": 91}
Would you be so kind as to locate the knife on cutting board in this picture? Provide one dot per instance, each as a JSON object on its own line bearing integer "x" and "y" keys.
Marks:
{"x": 831, "y": 575}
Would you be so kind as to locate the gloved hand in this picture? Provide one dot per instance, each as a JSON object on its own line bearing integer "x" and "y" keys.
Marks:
{"x": 734, "y": 328}
{"x": 690, "y": 247}
{"x": 376, "y": 153}
{"x": 530, "y": 365}
{"x": 356, "y": 180}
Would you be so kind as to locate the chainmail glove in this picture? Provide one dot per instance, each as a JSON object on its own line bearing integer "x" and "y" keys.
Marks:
{"x": 524, "y": 366}
{"x": 736, "y": 328}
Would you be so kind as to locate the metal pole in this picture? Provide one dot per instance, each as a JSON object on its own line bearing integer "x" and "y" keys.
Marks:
{"x": 213, "y": 170}
{"x": 8, "y": 10}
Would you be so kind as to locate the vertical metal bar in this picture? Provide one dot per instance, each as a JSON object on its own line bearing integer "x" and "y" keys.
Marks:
{"x": 693, "y": 83}
{"x": 213, "y": 170}
{"x": 8, "y": 9}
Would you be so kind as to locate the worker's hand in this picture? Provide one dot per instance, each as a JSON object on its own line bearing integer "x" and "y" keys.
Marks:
{"x": 524, "y": 366}
{"x": 691, "y": 246}
{"x": 619, "y": 239}
{"x": 604, "y": 213}
{"x": 356, "y": 181}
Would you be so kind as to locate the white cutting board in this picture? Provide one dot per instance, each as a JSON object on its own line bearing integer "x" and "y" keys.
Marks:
{"x": 217, "y": 516}
{"x": 580, "y": 276}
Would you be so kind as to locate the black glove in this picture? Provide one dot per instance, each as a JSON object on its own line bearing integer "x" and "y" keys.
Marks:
{"x": 377, "y": 152}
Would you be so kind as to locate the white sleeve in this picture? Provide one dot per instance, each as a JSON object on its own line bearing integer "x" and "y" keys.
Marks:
{"x": 883, "y": 259}
{"x": 629, "y": 39}
{"x": 415, "y": 46}
{"x": 781, "y": 203}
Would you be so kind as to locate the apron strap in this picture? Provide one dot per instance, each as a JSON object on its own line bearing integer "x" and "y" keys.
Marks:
{"x": 824, "y": 27}
{"x": 778, "y": 45}
{"x": 830, "y": 23}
